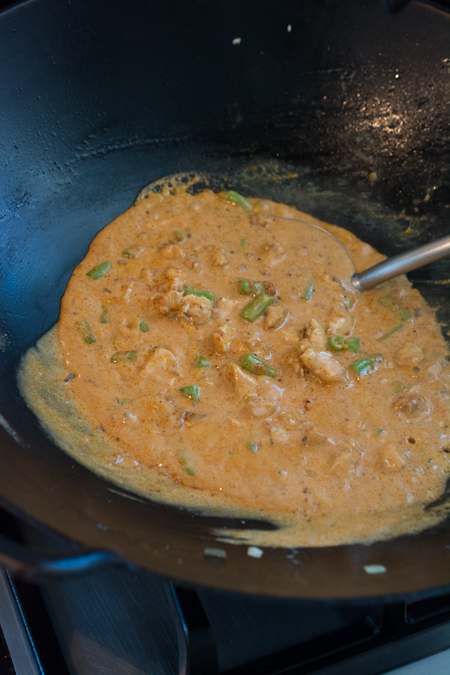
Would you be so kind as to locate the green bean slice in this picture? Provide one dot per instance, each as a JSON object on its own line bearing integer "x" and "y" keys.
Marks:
{"x": 86, "y": 331}
{"x": 199, "y": 293}
{"x": 307, "y": 293}
{"x": 256, "y": 307}
{"x": 191, "y": 391}
{"x": 352, "y": 344}
{"x": 252, "y": 364}
{"x": 238, "y": 200}
{"x": 250, "y": 287}
{"x": 391, "y": 332}
{"x": 203, "y": 363}
{"x": 99, "y": 270}
{"x": 336, "y": 343}
{"x": 362, "y": 365}
{"x": 123, "y": 356}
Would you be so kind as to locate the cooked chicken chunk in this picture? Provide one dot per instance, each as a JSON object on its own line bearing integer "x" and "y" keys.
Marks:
{"x": 322, "y": 365}
{"x": 171, "y": 251}
{"x": 221, "y": 338}
{"x": 176, "y": 280}
{"x": 275, "y": 253}
{"x": 168, "y": 302}
{"x": 340, "y": 321}
{"x": 315, "y": 334}
{"x": 218, "y": 257}
{"x": 251, "y": 343}
{"x": 243, "y": 384}
{"x": 223, "y": 308}
{"x": 259, "y": 406}
{"x": 159, "y": 359}
{"x": 196, "y": 308}
{"x": 391, "y": 458}
{"x": 409, "y": 354}
{"x": 275, "y": 316}
{"x": 411, "y": 405}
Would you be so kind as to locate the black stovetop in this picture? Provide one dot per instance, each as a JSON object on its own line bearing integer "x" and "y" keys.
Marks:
{"x": 118, "y": 621}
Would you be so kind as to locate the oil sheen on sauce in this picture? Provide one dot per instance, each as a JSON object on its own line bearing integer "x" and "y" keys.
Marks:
{"x": 326, "y": 414}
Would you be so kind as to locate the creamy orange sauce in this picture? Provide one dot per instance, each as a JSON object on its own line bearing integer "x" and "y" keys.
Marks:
{"x": 330, "y": 454}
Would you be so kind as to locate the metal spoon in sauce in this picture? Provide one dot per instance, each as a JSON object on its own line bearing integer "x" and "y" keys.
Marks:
{"x": 401, "y": 264}
{"x": 383, "y": 271}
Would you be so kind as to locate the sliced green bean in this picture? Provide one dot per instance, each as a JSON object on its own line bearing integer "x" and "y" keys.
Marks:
{"x": 352, "y": 344}
{"x": 256, "y": 307}
{"x": 253, "y": 446}
{"x": 253, "y": 365}
{"x": 128, "y": 253}
{"x": 250, "y": 287}
{"x": 203, "y": 363}
{"x": 99, "y": 270}
{"x": 395, "y": 306}
{"x": 336, "y": 343}
{"x": 143, "y": 327}
{"x": 307, "y": 293}
{"x": 119, "y": 357}
{"x": 244, "y": 243}
{"x": 86, "y": 332}
{"x": 104, "y": 315}
{"x": 186, "y": 461}
{"x": 200, "y": 293}
{"x": 238, "y": 200}
{"x": 391, "y": 332}
{"x": 191, "y": 391}
{"x": 361, "y": 366}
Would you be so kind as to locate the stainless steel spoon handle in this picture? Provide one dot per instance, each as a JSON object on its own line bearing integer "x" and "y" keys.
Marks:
{"x": 401, "y": 264}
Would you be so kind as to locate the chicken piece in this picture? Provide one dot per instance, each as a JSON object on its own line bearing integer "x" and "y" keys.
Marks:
{"x": 292, "y": 359}
{"x": 278, "y": 434}
{"x": 223, "y": 308}
{"x": 168, "y": 302}
{"x": 176, "y": 281}
{"x": 275, "y": 253}
{"x": 196, "y": 308}
{"x": 434, "y": 372}
{"x": 322, "y": 365}
{"x": 218, "y": 258}
{"x": 340, "y": 321}
{"x": 315, "y": 334}
{"x": 347, "y": 463}
{"x": 244, "y": 385}
{"x": 258, "y": 406}
{"x": 411, "y": 405}
{"x": 171, "y": 251}
{"x": 148, "y": 274}
{"x": 221, "y": 338}
{"x": 288, "y": 335}
{"x": 392, "y": 459}
{"x": 275, "y": 316}
{"x": 159, "y": 359}
{"x": 409, "y": 354}
{"x": 252, "y": 344}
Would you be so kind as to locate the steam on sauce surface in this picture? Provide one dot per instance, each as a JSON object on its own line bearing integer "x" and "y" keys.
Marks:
{"x": 210, "y": 355}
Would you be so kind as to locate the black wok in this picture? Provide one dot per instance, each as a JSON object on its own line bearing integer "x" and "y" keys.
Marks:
{"x": 97, "y": 99}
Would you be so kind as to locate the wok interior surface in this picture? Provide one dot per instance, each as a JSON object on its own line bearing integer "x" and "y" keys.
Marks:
{"x": 345, "y": 117}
